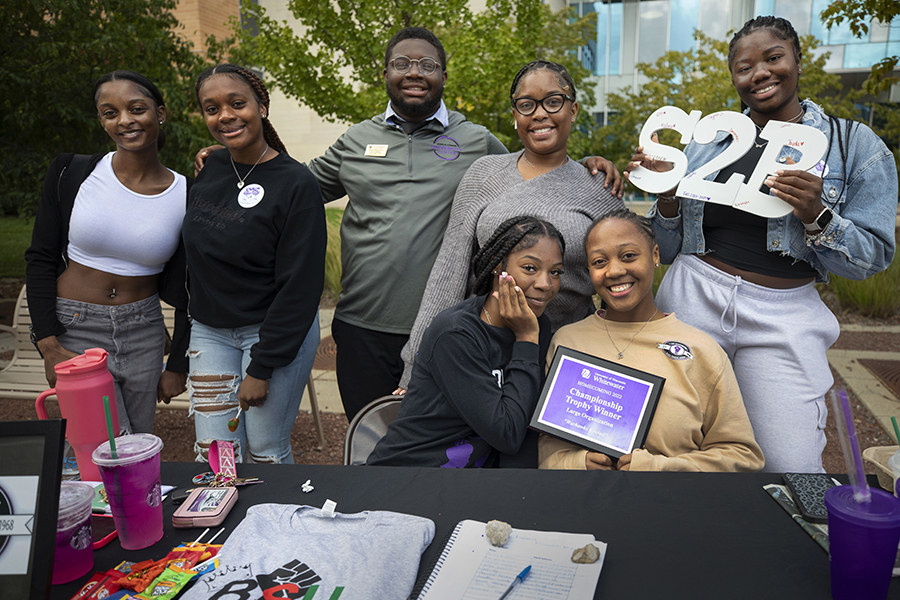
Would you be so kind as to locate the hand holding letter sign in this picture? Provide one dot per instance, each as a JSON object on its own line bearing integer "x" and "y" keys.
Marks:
{"x": 810, "y": 142}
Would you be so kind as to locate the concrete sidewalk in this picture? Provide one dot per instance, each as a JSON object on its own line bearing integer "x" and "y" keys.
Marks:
{"x": 880, "y": 401}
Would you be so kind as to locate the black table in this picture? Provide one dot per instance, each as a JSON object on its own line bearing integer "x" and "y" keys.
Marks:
{"x": 670, "y": 535}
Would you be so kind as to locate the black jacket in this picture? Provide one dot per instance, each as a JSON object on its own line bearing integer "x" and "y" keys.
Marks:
{"x": 47, "y": 258}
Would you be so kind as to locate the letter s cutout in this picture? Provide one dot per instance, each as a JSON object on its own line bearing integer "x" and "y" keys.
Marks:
{"x": 812, "y": 144}
{"x": 667, "y": 117}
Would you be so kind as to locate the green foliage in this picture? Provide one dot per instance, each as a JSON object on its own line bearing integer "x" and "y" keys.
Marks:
{"x": 336, "y": 65}
{"x": 15, "y": 237}
{"x": 52, "y": 51}
{"x": 878, "y": 296}
{"x": 333, "y": 218}
{"x": 858, "y": 14}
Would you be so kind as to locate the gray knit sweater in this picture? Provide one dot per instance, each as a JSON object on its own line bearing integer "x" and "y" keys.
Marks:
{"x": 493, "y": 191}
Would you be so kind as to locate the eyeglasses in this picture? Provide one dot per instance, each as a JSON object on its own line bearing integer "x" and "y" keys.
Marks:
{"x": 551, "y": 104}
{"x": 426, "y": 66}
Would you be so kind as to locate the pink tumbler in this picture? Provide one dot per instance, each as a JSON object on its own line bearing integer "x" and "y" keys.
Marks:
{"x": 81, "y": 383}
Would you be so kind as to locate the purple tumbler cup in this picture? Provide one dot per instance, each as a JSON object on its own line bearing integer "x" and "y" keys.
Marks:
{"x": 862, "y": 539}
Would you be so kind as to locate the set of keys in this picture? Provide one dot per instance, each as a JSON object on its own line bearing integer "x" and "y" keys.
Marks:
{"x": 221, "y": 480}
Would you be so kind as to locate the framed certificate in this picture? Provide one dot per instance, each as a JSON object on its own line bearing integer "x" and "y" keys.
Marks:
{"x": 597, "y": 404}
{"x": 30, "y": 474}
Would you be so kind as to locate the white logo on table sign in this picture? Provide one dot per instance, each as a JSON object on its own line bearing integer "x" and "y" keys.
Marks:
{"x": 251, "y": 195}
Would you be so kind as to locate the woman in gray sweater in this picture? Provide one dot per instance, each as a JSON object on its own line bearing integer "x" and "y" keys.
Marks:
{"x": 540, "y": 181}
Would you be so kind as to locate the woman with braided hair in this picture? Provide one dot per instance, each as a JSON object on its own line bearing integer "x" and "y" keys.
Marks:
{"x": 748, "y": 281}
{"x": 479, "y": 371}
{"x": 540, "y": 180}
{"x": 255, "y": 239}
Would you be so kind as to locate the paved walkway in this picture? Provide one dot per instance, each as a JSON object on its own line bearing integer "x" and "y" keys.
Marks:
{"x": 880, "y": 401}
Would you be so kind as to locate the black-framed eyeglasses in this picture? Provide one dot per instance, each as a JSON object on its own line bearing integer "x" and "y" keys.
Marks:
{"x": 426, "y": 66}
{"x": 551, "y": 104}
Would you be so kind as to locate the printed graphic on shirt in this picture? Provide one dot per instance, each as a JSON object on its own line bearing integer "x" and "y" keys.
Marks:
{"x": 214, "y": 217}
{"x": 295, "y": 580}
{"x": 459, "y": 454}
{"x": 676, "y": 350}
{"x": 445, "y": 148}
{"x": 498, "y": 374}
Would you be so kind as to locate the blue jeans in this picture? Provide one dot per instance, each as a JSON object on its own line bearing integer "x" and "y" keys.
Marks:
{"x": 219, "y": 360}
{"x": 134, "y": 335}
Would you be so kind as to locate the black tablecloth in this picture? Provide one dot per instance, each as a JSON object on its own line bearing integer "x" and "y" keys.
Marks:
{"x": 670, "y": 535}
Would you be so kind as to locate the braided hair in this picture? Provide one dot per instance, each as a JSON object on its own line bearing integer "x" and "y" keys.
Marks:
{"x": 782, "y": 29}
{"x": 259, "y": 91}
{"x": 641, "y": 223}
{"x": 563, "y": 78}
{"x": 144, "y": 86}
{"x": 513, "y": 235}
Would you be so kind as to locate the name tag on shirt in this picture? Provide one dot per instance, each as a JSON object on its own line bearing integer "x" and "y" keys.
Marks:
{"x": 376, "y": 150}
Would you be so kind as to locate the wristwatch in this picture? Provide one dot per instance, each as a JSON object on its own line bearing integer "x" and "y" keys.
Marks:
{"x": 821, "y": 221}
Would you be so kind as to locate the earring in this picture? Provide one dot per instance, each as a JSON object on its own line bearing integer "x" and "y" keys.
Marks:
{"x": 160, "y": 122}
{"x": 515, "y": 125}
{"x": 657, "y": 265}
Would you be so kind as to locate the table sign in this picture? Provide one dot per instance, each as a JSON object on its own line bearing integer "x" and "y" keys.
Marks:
{"x": 808, "y": 141}
{"x": 596, "y": 403}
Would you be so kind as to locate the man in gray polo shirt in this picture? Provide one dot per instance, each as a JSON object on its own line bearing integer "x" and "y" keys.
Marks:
{"x": 400, "y": 170}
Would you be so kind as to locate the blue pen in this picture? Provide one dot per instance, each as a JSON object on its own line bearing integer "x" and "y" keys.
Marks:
{"x": 519, "y": 578}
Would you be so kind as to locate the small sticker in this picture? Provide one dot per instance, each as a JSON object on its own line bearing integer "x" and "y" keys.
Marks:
{"x": 154, "y": 495}
{"x": 82, "y": 539}
{"x": 376, "y": 150}
{"x": 251, "y": 195}
{"x": 676, "y": 350}
{"x": 820, "y": 169}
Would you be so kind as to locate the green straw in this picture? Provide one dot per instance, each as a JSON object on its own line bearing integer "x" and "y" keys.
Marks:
{"x": 109, "y": 428}
{"x": 896, "y": 429}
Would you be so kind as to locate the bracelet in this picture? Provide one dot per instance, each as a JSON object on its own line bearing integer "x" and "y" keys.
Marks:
{"x": 667, "y": 199}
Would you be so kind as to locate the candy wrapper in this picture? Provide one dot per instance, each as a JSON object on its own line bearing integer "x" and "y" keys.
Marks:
{"x": 168, "y": 584}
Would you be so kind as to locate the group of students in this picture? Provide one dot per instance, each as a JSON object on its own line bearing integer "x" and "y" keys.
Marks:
{"x": 253, "y": 240}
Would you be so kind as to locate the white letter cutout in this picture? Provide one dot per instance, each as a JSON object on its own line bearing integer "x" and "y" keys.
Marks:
{"x": 809, "y": 141}
{"x": 667, "y": 117}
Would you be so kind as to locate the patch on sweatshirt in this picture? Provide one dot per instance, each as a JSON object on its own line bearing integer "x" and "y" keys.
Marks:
{"x": 676, "y": 350}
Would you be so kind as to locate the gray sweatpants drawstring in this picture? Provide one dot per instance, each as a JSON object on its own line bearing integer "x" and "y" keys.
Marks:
{"x": 732, "y": 303}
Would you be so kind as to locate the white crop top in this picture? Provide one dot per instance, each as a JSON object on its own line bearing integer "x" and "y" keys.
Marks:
{"x": 116, "y": 230}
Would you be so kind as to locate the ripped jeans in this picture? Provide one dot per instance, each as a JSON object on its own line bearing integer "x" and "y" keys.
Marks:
{"x": 219, "y": 360}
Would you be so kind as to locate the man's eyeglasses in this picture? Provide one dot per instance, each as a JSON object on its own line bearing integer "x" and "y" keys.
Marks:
{"x": 426, "y": 66}
{"x": 551, "y": 104}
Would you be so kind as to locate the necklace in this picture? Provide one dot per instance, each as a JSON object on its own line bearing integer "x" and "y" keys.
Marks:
{"x": 621, "y": 353}
{"x": 241, "y": 181}
{"x": 793, "y": 120}
{"x": 488, "y": 315}
{"x": 565, "y": 160}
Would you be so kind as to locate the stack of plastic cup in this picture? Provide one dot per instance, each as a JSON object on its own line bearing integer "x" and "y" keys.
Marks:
{"x": 862, "y": 539}
{"x": 74, "y": 538}
{"x": 131, "y": 479}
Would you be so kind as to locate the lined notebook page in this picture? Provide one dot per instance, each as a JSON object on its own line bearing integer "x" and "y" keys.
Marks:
{"x": 470, "y": 568}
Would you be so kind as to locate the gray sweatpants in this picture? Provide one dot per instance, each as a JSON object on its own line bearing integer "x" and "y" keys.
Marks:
{"x": 134, "y": 336}
{"x": 776, "y": 340}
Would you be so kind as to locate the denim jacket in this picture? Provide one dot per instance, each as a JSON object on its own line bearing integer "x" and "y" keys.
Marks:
{"x": 858, "y": 242}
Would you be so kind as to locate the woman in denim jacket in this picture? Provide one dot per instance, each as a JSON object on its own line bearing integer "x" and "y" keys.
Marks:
{"x": 750, "y": 281}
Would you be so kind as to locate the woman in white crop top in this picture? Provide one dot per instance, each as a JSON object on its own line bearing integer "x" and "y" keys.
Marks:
{"x": 106, "y": 246}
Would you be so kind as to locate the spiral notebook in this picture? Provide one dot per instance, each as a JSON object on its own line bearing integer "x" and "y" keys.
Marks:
{"x": 470, "y": 568}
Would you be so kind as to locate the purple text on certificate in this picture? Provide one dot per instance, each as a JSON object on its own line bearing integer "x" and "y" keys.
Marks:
{"x": 596, "y": 404}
